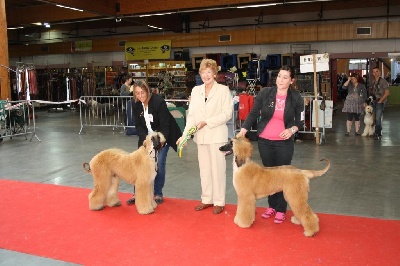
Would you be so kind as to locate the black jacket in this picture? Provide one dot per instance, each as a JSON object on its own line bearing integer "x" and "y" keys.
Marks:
{"x": 264, "y": 108}
{"x": 163, "y": 121}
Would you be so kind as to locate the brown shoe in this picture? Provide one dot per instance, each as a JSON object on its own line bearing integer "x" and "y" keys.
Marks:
{"x": 218, "y": 209}
{"x": 202, "y": 207}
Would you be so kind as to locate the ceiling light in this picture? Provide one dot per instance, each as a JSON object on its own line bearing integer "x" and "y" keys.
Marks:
{"x": 72, "y": 8}
{"x": 15, "y": 28}
{"x": 154, "y": 27}
{"x": 37, "y": 23}
{"x": 262, "y": 5}
{"x": 47, "y": 25}
{"x": 156, "y": 14}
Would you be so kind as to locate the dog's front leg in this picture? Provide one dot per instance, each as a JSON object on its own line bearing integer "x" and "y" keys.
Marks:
{"x": 153, "y": 202}
{"x": 245, "y": 212}
{"x": 144, "y": 198}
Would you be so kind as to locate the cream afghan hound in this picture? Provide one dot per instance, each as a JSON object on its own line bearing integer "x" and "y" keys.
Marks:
{"x": 253, "y": 181}
{"x": 138, "y": 168}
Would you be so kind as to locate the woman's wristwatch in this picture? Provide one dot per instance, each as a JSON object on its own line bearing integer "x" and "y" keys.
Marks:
{"x": 293, "y": 130}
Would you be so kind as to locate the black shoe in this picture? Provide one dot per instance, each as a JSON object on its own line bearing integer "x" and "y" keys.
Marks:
{"x": 358, "y": 134}
{"x": 347, "y": 134}
{"x": 377, "y": 137}
{"x": 131, "y": 201}
{"x": 159, "y": 199}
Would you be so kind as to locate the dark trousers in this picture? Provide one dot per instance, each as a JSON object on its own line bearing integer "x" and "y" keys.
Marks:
{"x": 276, "y": 153}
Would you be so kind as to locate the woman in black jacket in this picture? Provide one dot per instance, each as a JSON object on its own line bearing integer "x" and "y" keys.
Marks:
{"x": 151, "y": 114}
{"x": 279, "y": 109}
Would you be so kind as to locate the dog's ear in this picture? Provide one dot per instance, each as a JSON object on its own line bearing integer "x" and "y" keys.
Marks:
{"x": 239, "y": 162}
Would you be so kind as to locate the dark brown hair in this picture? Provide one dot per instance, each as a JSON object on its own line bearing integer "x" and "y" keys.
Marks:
{"x": 290, "y": 69}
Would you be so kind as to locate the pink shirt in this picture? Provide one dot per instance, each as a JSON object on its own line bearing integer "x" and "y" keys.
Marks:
{"x": 276, "y": 125}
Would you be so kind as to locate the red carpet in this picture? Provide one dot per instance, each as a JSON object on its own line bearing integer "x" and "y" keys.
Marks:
{"x": 55, "y": 222}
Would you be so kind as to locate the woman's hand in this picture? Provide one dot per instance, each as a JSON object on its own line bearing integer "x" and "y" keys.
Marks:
{"x": 242, "y": 132}
{"x": 201, "y": 124}
{"x": 179, "y": 141}
{"x": 286, "y": 134}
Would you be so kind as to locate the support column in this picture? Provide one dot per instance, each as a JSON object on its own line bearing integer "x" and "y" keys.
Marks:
{"x": 4, "y": 60}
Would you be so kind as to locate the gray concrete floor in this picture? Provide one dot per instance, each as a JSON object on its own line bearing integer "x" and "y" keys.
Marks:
{"x": 363, "y": 180}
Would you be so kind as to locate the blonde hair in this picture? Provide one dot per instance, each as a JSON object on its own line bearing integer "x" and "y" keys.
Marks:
{"x": 205, "y": 63}
{"x": 144, "y": 86}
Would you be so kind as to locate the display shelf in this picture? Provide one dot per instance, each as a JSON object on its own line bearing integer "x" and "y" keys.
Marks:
{"x": 173, "y": 74}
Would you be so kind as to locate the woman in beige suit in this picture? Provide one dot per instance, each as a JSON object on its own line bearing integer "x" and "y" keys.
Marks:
{"x": 211, "y": 107}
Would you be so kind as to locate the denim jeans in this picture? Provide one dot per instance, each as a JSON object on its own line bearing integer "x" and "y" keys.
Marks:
{"x": 276, "y": 153}
{"x": 378, "y": 108}
{"x": 160, "y": 177}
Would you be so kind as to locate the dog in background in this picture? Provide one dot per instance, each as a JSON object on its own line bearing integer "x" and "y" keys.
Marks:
{"x": 138, "y": 168}
{"x": 369, "y": 118}
{"x": 370, "y": 100}
{"x": 97, "y": 109}
{"x": 253, "y": 181}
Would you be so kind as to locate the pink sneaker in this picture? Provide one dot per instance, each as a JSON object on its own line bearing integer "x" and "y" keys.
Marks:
{"x": 268, "y": 213}
{"x": 279, "y": 217}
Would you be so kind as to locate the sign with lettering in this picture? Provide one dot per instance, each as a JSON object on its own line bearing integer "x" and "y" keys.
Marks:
{"x": 306, "y": 63}
{"x": 147, "y": 50}
{"x": 81, "y": 46}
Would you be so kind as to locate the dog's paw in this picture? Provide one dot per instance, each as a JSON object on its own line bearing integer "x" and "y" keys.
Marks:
{"x": 96, "y": 208}
{"x": 145, "y": 211}
{"x": 310, "y": 233}
{"x": 239, "y": 223}
{"x": 116, "y": 204}
{"x": 294, "y": 220}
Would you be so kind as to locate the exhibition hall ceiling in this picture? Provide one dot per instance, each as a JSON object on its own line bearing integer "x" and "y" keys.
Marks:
{"x": 25, "y": 16}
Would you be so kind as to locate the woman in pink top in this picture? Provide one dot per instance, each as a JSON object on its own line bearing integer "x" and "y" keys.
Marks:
{"x": 279, "y": 109}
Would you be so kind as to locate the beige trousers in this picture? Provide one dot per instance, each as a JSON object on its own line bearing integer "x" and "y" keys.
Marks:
{"x": 212, "y": 166}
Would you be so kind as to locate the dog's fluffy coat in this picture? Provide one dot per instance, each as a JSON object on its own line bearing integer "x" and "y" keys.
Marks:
{"x": 137, "y": 168}
{"x": 369, "y": 128}
{"x": 253, "y": 181}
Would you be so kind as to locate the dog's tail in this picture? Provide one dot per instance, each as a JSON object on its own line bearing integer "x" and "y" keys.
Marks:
{"x": 314, "y": 173}
{"x": 86, "y": 167}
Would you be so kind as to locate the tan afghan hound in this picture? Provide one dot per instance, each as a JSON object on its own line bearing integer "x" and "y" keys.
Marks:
{"x": 253, "y": 181}
{"x": 138, "y": 168}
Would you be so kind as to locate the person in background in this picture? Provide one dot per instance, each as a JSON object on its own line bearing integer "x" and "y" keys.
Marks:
{"x": 380, "y": 89}
{"x": 125, "y": 88}
{"x": 151, "y": 114}
{"x": 210, "y": 108}
{"x": 397, "y": 80}
{"x": 388, "y": 77}
{"x": 279, "y": 109}
{"x": 354, "y": 103}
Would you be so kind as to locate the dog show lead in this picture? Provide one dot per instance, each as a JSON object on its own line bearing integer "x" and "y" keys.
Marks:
{"x": 151, "y": 114}
{"x": 279, "y": 109}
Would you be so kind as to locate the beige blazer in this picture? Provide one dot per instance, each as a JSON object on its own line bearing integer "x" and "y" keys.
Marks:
{"x": 216, "y": 111}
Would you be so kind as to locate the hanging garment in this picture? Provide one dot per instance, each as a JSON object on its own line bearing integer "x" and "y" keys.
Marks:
{"x": 246, "y": 102}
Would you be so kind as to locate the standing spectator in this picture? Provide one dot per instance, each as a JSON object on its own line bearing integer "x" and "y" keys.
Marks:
{"x": 210, "y": 108}
{"x": 280, "y": 108}
{"x": 380, "y": 89}
{"x": 354, "y": 103}
{"x": 397, "y": 80}
{"x": 151, "y": 114}
{"x": 125, "y": 88}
